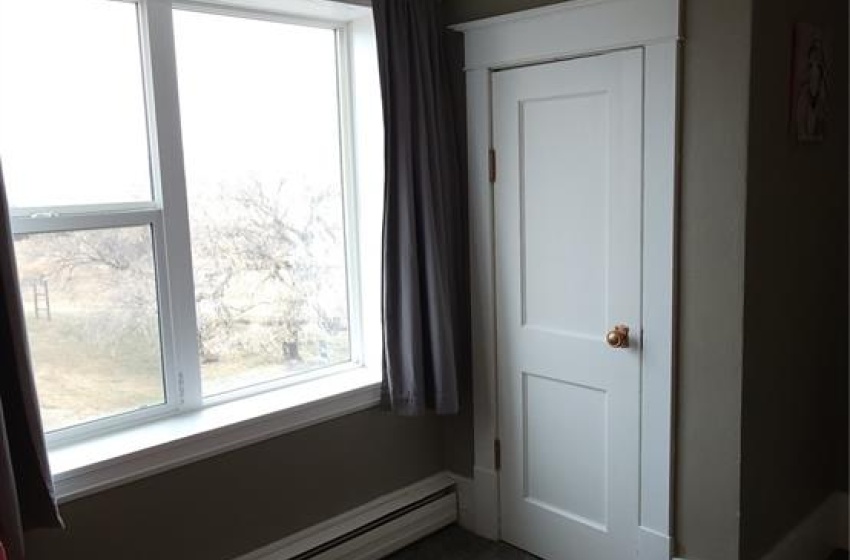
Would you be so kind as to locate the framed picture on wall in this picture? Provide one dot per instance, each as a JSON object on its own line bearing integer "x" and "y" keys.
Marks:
{"x": 810, "y": 84}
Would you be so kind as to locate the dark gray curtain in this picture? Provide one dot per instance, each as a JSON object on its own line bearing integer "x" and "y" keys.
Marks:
{"x": 26, "y": 491}
{"x": 425, "y": 253}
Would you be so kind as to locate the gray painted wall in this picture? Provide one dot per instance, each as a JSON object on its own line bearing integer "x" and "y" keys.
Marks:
{"x": 794, "y": 437}
{"x": 711, "y": 284}
{"x": 222, "y": 507}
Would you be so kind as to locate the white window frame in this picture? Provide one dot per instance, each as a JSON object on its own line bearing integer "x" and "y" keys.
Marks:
{"x": 98, "y": 454}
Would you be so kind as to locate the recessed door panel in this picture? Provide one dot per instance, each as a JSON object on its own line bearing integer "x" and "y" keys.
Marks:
{"x": 564, "y": 198}
{"x": 561, "y": 416}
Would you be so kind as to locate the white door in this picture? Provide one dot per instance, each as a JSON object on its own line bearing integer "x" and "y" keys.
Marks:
{"x": 568, "y": 138}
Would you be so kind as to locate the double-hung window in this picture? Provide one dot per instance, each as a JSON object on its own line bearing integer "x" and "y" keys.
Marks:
{"x": 189, "y": 210}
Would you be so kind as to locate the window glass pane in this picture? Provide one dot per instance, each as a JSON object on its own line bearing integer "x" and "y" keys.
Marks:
{"x": 91, "y": 310}
{"x": 261, "y": 137}
{"x": 72, "y": 114}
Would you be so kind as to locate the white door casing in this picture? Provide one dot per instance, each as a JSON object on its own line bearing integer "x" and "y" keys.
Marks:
{"x": 568, "y": 138}
{"x": 575, "y": 29}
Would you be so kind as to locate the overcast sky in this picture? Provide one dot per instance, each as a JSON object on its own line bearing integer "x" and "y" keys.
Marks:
{"x": 258, "y": 101}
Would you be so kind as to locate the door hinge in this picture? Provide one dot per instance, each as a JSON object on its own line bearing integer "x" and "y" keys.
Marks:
{"x": 492, "y": 163}
{"x": 497, "y": 454}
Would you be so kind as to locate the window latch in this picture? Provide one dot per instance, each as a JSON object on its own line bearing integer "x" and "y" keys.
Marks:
{"x": 50, "y": 214}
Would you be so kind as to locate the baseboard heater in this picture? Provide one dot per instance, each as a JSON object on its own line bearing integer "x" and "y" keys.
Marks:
{"x": 373, "y": 530}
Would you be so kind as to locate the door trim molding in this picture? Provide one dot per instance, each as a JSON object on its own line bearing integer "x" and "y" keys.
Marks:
{"x": 572, "y": 29}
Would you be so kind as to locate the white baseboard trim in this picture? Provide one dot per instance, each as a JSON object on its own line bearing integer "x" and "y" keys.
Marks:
{"x": 485, "y": 503}
{"x": 379, "y": 541}
{"x": 465, "y": 501}
{"x": 824, "y": 530}
{"x": 397, "y": 534}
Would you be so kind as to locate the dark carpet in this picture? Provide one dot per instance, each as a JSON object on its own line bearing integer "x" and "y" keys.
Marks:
{"x": 454, "y": 543}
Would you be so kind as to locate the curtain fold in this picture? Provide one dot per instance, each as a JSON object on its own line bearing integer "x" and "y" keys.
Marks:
{"x": 425, "y": 254}
{"x": 26, "y": 489}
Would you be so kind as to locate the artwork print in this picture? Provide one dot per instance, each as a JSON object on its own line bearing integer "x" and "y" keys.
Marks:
{"x": 809, "y": 107}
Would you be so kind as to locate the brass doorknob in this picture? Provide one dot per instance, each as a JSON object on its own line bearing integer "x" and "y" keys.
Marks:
{"x": 618, "y": 337}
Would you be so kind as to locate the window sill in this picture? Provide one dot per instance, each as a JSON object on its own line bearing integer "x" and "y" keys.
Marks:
{"x": 103, "y": 462}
